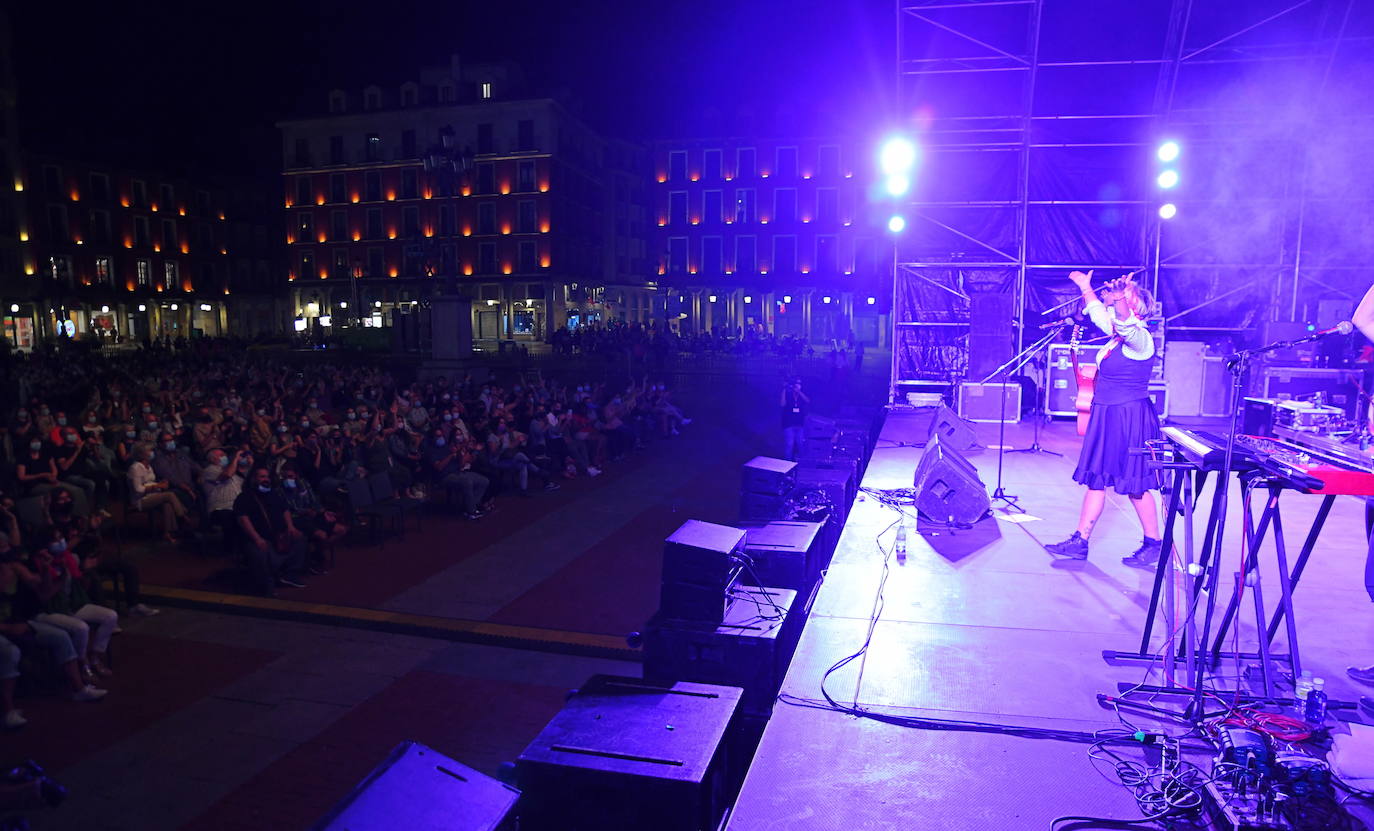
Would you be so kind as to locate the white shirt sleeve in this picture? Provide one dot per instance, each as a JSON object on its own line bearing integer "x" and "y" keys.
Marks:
{"x": 1136, "y": 341}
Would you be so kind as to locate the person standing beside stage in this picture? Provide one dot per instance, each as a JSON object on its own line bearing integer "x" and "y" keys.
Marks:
{"x": 794, "y": 403}
{"x": 1122, "y": 418}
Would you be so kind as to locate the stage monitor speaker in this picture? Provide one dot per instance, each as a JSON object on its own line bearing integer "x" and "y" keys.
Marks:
{"x": 626, "y": 754}
{"x": 420, "y": 789}
{"x": 700, "y": 563}
{"x": 954, "y": 433}
{"x": 947, "y": 486}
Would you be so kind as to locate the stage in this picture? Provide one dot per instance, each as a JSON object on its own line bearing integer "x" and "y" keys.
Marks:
{"x": 984, "y": 625}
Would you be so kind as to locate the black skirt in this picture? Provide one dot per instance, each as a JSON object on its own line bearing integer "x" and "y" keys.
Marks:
{"x": 1113, "y": 431}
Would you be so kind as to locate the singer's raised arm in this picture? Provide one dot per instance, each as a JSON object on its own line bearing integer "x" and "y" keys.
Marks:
{"x": 1364, "y": 315}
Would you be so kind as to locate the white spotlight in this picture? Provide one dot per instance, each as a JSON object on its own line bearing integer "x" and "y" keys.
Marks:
{"x": 787, "y": 298}
{"x": 897, "y": 156}
{"x": 1168, "y": 151}
{"x": 872, "y": 300}
{"x": 1168, "y": 210}
{"x": 898, "y": 184}
{"x": 1167, "y": 179}
{"x": 896, "y": 224}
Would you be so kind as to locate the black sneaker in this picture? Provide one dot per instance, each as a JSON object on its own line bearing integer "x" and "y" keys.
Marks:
{"x": 552, "y": 486}
{"x": 1146, "y": 556}
{"x": 287, "y": 581}
{"x": 1074, "y": 548}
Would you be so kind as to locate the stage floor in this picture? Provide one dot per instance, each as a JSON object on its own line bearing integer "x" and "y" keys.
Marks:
{"x": 985, "y": 625}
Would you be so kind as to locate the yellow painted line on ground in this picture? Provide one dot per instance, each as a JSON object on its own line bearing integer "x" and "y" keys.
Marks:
{"x": 475, "y": 630}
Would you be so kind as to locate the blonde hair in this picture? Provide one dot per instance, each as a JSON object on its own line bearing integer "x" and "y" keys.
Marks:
{"x": 1148, "y": 306}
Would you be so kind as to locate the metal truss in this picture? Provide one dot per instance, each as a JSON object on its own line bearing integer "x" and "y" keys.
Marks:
{"x": 950, "y": 42}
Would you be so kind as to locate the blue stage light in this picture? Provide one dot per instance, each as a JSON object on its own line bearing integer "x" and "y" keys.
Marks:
{"x": 898, "y": 184}
{"x": 1168, "y": 151}
{"x": 1167, "y": 179}
{"x": 897, "y": 156}
{"x": 1168, "y": 210}
{"x": 896, "y": 224}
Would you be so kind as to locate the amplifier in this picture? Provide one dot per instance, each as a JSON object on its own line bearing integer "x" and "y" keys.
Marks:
{"x": 1258, "y": 416}
{"x": 750, "y": 648}
{"x": 784, "y": 553}
{"x": 850, "y": 464}
{"x": 628, "y": 753}
{"x": 1159, "y": 396}
{"x": 420, "y": 789}
{"x": 988, "y": 402}
{"x": 818, "y": 427}
{"x": 1337, "y": 387}
{"x": 759, "y": 506}
{"x": 1062, "y": 388}
{"x": 838, "y": 485}
{"x": 762, "y": 474}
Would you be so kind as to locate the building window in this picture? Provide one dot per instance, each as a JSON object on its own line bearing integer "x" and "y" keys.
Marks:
{"x": 338, "y": 225}
{"x": 524, "y": 132}
{"x": 524, "y": 177}
{"x": 711, "y": 208}
{"x": 143, "y": 272}
{"x": 486, "y": 258}
{"x": 486, "y": 138}
{"x": 169, "y": 275}
{"x": 409, "y": 96}
{"x": 372, "y": 148}
{"x": 527, "y": 217}
{"x": 52, "y": 179}
{"x": 827, "y": 205}
{"x": 204, "y": 237}
{"x": 711, "y": 255}
{"x": 103, "y": 272}
{"x": 337, "y": 102}
{"x": 746, "y": 163}
{"x": 60, "y": 269}
{"x": 486, "y": 89}
{"x": 529, "y": 257}
{"x": 140, "y": 193}
{"x": 372, "y": 183}
{"x": 340, "y": 268}
{"x": 448, "y": 259}
{"x": 336, "y": 151}
{"x": 711, "y": 166}
{"x": 408, "y": 146}
{"x": 445, "y": 221}
{"x": 169, "y": 235}
{"x": 677, "y": 255}
{"x": 169, "y": 197}
{"x": 744, "y": 205}
{"x": 826, "y": 261}
{"x": 338, "y": 188}
{"x": 100, "y": 187}
{"x": 305, "y": 226}
{"x": 787, "y": 163}
{"x": 376, "y": 262}
{"x": 785, "y": 205}
{"x": 303, "y": 194}
{"x": 486, "y": 218}
{"x": 677, "y": 208}
{"x": 203, "y": 203}
{"x": 57, "y": 223}
{"x": 746, "y": 254}
{"x": 677, "y": 166}
{"x": 446, "y": 94}
{"x": 100, "y": 227}
{"x": 486, "y": 178}
{"x": 410, "y": 184}
{"x": 372, "y": 99}
{"x": 141, "y": 233}
{"x": 302, "y": 153}
{"x": 374, "y": 223}
{"x": 784, "y": 254}
{"x": 411, "y": 221}
{"x": 828, "y": 161}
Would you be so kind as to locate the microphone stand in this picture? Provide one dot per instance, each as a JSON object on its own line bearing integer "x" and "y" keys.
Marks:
{"x": 1014, "y": 363}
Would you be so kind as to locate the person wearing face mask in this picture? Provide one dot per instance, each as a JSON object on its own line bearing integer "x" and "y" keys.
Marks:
{"x": 173, "y": 465}
{"x": 124, "y": 447}
{"x": 70, "y": 458}
{"x": 59, "y": 427}
{"x": 35, "y": 470}
{"x": 272, "y": 545}
{"x": 221, "y": 484}
{"x": 43, "y": 420}
{"x": 322, "y": 527}
{"x": 148, "y": 493}
{"x": 450, "y": 465}
{"x": 67, "y": 606}
{"x": 260, "y": 430}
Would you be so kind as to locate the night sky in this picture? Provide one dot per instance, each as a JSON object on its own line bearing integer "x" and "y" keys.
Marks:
{"x": 177, "y": 86}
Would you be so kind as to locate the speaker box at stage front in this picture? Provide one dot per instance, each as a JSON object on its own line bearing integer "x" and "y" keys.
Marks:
{"x": 420, "y": 789}
{"x": 700, "y": 563}
{"x": 947, "y": 486}
{"x": 626, "y": 754}
{"x": 953, "y": 431}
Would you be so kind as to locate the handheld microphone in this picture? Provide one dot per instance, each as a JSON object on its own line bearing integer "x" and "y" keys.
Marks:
{"x": 1345, "y": 327}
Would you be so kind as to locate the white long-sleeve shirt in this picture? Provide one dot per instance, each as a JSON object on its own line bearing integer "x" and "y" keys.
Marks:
{"x": 1136, "y": 341}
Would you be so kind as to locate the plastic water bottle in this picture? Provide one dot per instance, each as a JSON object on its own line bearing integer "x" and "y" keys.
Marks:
{"x": 900, "y": 546}
{"x": 1315, "y": 711}
{"x": 1301, "y": 687}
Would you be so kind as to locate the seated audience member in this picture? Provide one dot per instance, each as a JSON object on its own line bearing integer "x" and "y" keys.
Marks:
{"x": 147, "y": 492}
{"x": 173, "y": 465}
{"x": 451, "y": 466}
{"x": 82, "y": 535}
{"x": 320, "y": 525}
{"x": 269, "y": 539}
{"x": 54, "y": 578}
{"x": 69, "y": 458}
{"x": 221, "y": 484}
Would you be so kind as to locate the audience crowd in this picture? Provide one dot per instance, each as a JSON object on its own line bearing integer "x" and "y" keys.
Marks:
{"x": 266, "y": 456}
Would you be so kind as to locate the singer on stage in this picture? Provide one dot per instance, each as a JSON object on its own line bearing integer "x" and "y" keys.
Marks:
{"x": 1122, "y": 417}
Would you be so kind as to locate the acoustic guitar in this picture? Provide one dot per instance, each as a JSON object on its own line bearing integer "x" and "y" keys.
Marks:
{"x": 1085, "y": 377}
